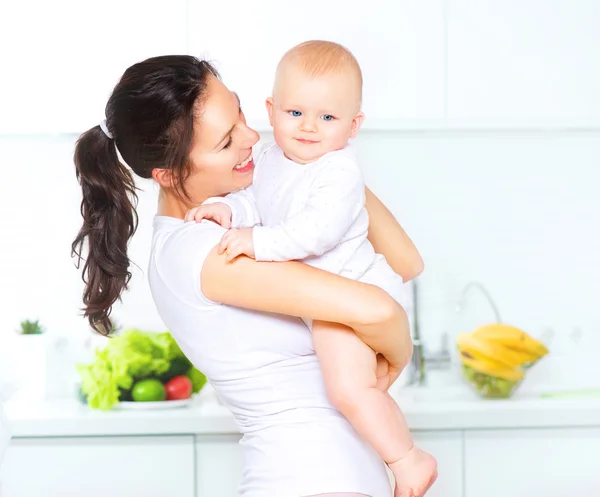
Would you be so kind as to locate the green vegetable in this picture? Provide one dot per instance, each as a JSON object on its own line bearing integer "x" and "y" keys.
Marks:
{"x": 150, "y": 390}
{"x": 128, "y": 357}
{"x": 125, "y": 395}
{"x": 179, "y": 366}
{"x": 198, "y": 379}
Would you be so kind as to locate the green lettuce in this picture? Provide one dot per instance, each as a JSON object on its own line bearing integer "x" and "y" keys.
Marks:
{"x": 129, "y": 357}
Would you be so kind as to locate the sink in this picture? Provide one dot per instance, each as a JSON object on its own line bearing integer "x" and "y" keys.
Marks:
{"x": 454, "y": 393}
{"x": 463, "y": 393}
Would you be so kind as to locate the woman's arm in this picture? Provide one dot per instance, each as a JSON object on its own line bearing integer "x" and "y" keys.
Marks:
{"x": 297, "y": 289}
{"x": 389, "y": 239}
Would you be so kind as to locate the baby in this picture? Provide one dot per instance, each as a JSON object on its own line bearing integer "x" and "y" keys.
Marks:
{"x": 307, "y": 202}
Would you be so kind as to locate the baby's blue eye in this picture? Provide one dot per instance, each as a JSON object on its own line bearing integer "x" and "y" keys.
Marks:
{"x": 295, "y": 113}
{"x": 327, "y": 117}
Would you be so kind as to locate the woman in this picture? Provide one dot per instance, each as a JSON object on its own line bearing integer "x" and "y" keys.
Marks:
{"x": 172, "y": 119}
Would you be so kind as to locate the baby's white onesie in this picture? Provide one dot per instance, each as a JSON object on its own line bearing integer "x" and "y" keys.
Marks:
{"x": 311, "y": 212}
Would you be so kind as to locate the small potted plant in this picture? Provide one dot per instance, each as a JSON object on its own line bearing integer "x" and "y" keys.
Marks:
{"x": 30, "y": 328}
{"x": 31, "y": 358}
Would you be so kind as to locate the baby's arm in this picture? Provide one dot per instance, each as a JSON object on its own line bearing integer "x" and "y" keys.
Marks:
{"x": 336, "y": 199}
{"x": 244, "y": 213}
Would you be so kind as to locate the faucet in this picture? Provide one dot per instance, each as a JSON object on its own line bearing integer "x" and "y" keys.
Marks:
{"x": 417, "y": 364}
{"x": 421, "y": 361}
{"x": 478, "y": 286}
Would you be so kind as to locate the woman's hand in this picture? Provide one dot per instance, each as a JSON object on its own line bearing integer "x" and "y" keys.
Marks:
{"x": 389, "y": 239}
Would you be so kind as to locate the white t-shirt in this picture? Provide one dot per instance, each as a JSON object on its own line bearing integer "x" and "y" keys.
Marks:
{"x": 264, "y": 369}
{"x": 311, "y": 212}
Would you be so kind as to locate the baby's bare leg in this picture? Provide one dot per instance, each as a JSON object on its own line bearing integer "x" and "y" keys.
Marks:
{"x": 349, "y": 369}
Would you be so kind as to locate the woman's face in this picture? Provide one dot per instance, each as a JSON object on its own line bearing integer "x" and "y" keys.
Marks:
{"x": 222, "y": 146}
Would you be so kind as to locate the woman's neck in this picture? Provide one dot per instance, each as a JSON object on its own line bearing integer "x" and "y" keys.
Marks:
{"x": 171, "y": 205}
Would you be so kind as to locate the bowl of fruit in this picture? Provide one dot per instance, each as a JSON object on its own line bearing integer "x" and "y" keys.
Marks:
{"x": 495, "y": 358}
{"x": 139, "y": 370}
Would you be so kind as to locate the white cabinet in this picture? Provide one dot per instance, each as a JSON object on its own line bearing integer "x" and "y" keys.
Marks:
{"x": 218, "y": 465}
{"x": 99, "y": 467}
{"x": 61, "y": 59}
{"x": 532, "y": 462}
{"x": 447, "y": 448}
{"x": 520, "y": 61}
{"x": 400, "y": 46}
{"x": 473, "y": 463}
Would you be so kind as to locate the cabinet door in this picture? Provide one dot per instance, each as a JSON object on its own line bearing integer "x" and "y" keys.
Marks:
{"x": 61, "y": 59}
{"x": 528, "y": 463}
{"x": 523, "y": 61}
{"x": 398, "y": 44}
{"x": 218, "y": 465}
{"x": 447, "y": 448}
{"x": 99, "y": 467}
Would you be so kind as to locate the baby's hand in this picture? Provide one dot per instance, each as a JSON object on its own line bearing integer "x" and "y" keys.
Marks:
{"x": 218, "y": 212}
{"x": 237, "y": 242}
{"x": 414, "y": 473}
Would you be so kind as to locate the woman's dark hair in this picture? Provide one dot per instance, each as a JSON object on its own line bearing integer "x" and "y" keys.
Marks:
{"x": 150, "y": 116}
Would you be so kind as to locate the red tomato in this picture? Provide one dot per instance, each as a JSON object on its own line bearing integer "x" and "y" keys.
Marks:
{"x": 179, "y": 388}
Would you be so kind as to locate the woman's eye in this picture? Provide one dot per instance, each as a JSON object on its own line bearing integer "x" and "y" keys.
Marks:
{"x": 295, "y": 113}
{"x": 327, "y": 117}
{"x": 228, "y": 144}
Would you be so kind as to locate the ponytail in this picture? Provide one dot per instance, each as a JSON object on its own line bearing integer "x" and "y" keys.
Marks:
{"x": 151, "y": 114}
{"x": 109, "y": 221}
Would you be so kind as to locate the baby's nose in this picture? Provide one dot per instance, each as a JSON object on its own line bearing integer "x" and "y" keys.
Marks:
{"x": 308, "y": 124}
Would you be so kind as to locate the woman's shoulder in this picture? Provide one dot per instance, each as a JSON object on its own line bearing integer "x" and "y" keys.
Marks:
{"x": 175, "y": 235}
{"x": 179, "y": 250}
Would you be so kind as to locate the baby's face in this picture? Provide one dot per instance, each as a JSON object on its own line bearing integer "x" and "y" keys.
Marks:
{"x": 312, "y": 116}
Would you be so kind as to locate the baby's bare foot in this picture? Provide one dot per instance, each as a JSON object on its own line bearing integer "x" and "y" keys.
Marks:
{"x": 414, "y": 473}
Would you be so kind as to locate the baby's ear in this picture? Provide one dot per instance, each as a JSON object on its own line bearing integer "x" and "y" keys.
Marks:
{"x": 356, "y": 124}
{"x": 269, "y": 104}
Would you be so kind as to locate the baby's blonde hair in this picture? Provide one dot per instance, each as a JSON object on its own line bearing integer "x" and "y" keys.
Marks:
{"x": 319, "y": 57}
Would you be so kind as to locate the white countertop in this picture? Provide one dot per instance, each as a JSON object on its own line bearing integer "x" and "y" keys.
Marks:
{"x": 449, "y": 408}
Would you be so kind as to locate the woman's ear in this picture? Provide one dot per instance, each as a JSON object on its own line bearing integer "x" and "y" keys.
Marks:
{"x": 356, "y": 124}
{"x": 164, "y": 177}
{"x": 270, "y": 109}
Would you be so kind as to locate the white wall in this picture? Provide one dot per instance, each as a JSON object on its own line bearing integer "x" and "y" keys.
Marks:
{"x": 484, "y": 139}
{"x": 517, "y": 211}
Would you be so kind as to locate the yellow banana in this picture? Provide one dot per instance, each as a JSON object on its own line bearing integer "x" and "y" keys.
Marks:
{"x": 480, "y": 347}
{"x": 513, "y": 338}
{"x": 491, "y": 368}
{"x": 475, "y": 353}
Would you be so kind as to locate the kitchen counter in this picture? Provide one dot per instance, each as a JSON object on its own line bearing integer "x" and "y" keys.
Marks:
{"x": 449, "y": 408}
{"x": 70, "y": 418}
